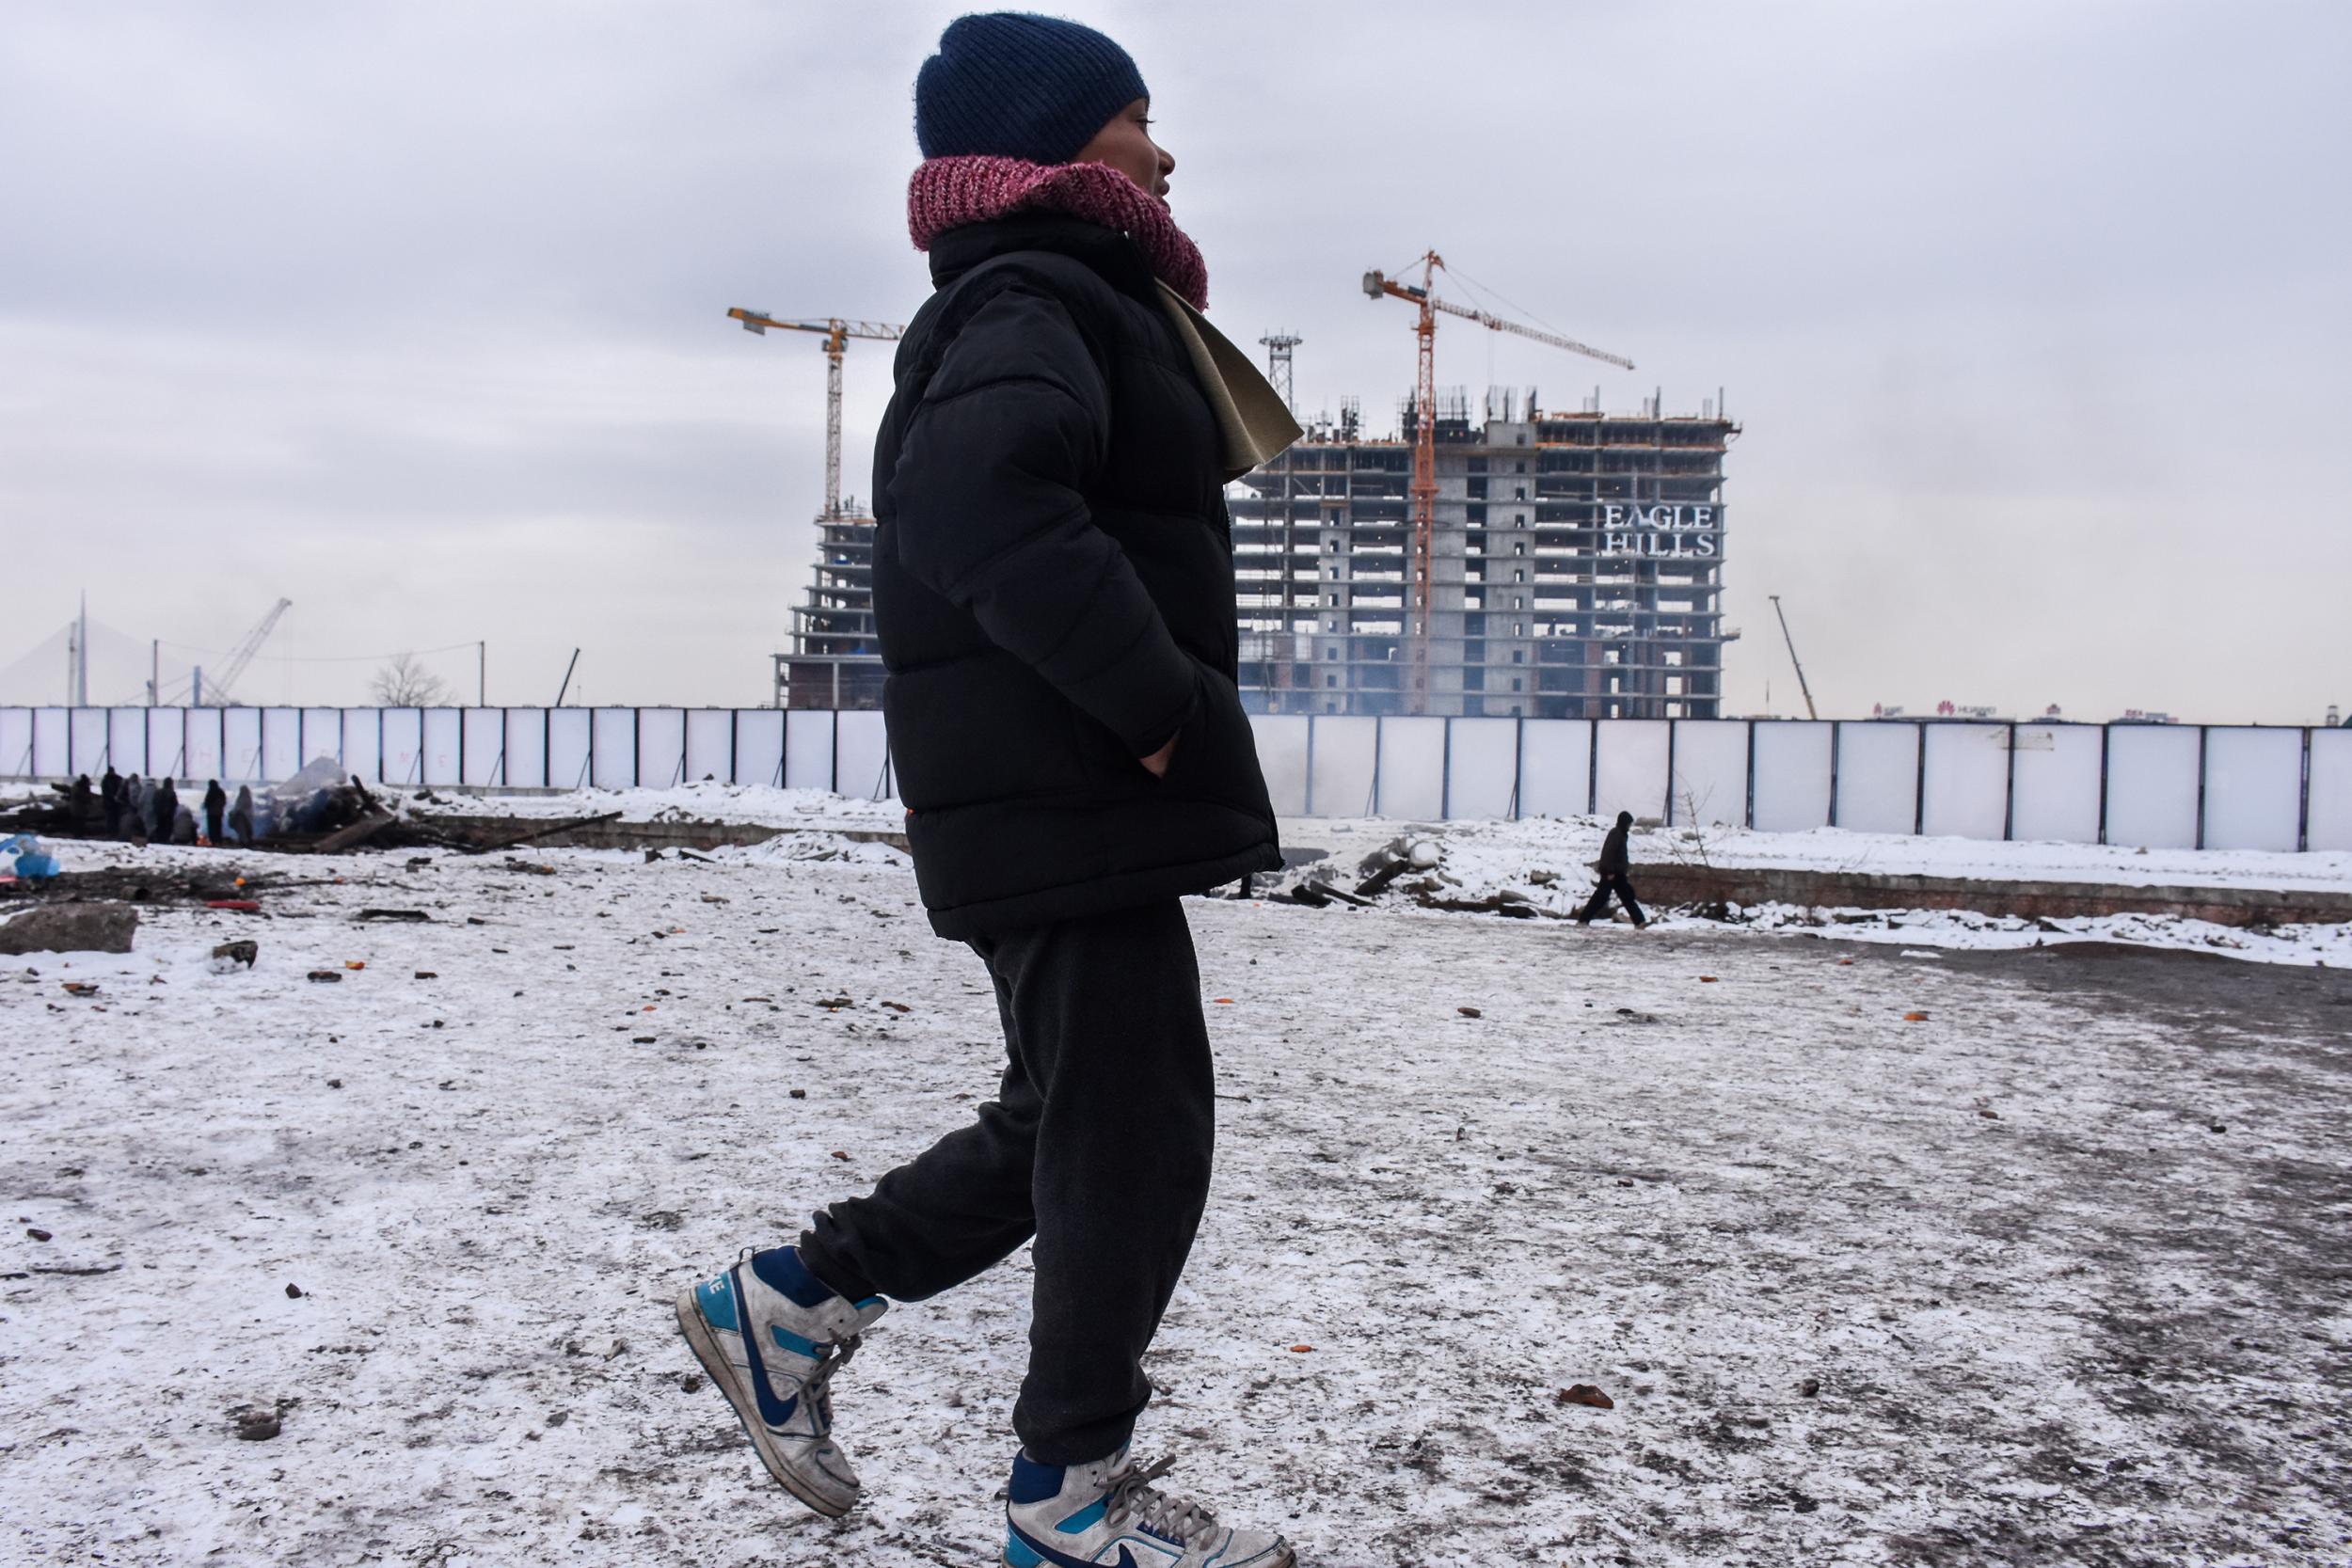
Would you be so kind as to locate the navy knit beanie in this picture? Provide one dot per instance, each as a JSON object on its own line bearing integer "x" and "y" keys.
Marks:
{"x": 1012, "y": 85}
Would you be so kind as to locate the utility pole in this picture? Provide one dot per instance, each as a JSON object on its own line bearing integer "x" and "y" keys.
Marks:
{"x": 154, "y": 671}
{"x": 81, "y": 655}
{"x": 482, "y": 669}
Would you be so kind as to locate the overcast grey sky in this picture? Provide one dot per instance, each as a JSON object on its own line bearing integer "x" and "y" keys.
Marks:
{"x": 413, "y": 314}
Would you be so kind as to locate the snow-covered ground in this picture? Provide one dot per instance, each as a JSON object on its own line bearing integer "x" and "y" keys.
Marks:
{"x": 2053, "y": 1273}
{"x": 1498, "y": 850}
{"x": 1545, "y": 865}
{"x": 706, "y": 801}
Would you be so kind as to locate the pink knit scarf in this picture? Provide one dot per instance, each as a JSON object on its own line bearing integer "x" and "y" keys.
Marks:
{"x": 947, "y": 193}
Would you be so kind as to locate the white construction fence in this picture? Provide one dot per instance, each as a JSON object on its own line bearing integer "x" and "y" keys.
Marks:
{"x": 2165, "y": 786}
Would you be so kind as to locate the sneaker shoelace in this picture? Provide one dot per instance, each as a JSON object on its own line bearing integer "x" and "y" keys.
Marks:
{"x": 1134, "y": 1497}
{"x": 817, "y": 1387}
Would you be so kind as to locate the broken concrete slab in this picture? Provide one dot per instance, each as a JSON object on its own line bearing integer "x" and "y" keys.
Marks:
{"x": 70, "y": 929}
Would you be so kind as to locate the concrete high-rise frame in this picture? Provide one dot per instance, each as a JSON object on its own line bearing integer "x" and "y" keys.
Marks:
{"x": 836, "y": 660}
{"x": 1576, "y": 569}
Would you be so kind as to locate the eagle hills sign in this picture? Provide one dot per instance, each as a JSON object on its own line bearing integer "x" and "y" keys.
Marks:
{"x": 1660, "y": 532}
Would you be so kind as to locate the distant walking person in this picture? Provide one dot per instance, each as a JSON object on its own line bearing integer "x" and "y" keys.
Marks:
{"x": 1613, "y": 865}
{"x": 110, "y": 799}
{"x": 163, "y": 806}
{"x": 1054, "y": 591}
{"x": 215, "y": 803}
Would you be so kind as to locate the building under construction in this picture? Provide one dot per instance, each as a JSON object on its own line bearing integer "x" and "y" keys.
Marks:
{"x": 836, "y": 660}
{"x": 1575, "y": 566}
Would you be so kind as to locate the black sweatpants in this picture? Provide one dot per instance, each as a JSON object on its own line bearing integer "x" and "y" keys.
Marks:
{"x": 1614, "y": 883}
{"x": 1098, "y": 1144}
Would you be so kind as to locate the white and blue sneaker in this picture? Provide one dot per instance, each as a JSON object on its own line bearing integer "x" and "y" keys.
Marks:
{"x": 772, "y": 1335}
{"x": 1108, "y": 1513}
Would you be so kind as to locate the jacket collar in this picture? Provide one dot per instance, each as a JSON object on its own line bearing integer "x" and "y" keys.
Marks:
{"x": 1119, "y": 259}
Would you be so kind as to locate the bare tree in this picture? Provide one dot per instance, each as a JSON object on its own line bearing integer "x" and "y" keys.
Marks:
{"x": 407, "y": 683}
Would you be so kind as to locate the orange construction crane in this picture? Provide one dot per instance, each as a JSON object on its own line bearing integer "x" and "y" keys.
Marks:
{"x": 1424, "y": 485}
{"x": 837, "y": 334}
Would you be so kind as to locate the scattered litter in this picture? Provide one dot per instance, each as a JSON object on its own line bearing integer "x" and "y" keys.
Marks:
{"x": 255, "y": 1425}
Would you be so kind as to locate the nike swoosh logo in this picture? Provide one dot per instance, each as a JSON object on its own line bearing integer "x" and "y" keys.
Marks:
{"x": 1063, "y": 1560}
{"x": 774, "y": 1411}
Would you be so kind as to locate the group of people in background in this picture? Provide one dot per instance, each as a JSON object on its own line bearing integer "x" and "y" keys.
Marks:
{"x": 150, "y": 811}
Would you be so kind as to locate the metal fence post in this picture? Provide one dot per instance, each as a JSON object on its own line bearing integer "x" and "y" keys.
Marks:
{"x": 2202, "y": 734}
{"x": 2008, "y": 806}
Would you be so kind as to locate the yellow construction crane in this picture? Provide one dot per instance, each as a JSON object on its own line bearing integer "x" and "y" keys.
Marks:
{"x": 836, "y": 334}
{"x": 1424, "y": 485}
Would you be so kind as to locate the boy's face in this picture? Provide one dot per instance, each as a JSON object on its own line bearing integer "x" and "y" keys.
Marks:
{"x": 1125, "y": 143}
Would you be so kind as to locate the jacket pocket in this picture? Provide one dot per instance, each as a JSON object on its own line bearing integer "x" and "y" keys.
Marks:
{"x": 1217, "y": 756}
{"x": 979, "y": 729}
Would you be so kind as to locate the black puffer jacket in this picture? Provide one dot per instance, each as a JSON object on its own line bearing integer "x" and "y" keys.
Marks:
{"x": 1054, "y": 589}
{"x": 1615, "y": 861}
